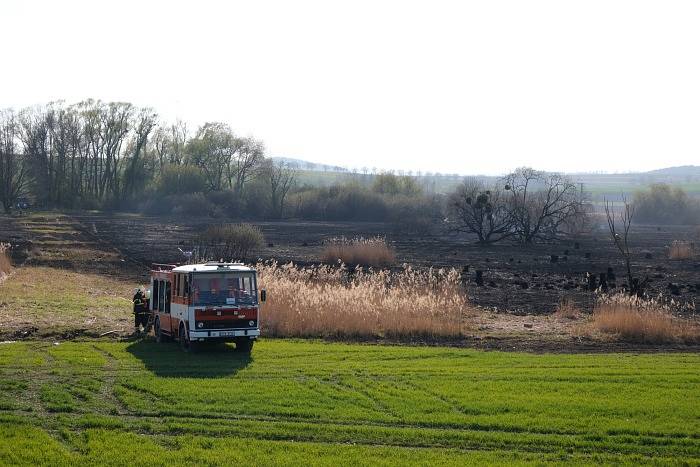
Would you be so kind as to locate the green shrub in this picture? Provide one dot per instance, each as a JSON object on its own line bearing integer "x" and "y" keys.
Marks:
{"x": 192, "y": 204}
{"x": 663, "y": 204}
{"x": 390, "y": 184}
{"x": 417, "y": 215}
{"x": 348, "y": 202}
{"x": 180, "y": 179}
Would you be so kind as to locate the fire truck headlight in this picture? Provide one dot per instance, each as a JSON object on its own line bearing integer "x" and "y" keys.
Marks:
{"x": 200, "y": 325}
{"x": 251, "y": 323}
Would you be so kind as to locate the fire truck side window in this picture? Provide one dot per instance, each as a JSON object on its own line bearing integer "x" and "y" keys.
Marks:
{"x": 167, "y": 296}
{"x": 187, "y": 286}
{"x": 154, "y": 296}
{"x": 176, "y": 288}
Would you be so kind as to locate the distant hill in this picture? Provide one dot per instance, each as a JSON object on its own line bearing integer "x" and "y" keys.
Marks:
{"x": 306, "y": 165}
{"x": 680, "y": 171}
{"x": 598, "y": 185}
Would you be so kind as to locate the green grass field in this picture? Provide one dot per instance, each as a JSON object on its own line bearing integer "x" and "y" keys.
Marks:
{"x": 301, "y": 402}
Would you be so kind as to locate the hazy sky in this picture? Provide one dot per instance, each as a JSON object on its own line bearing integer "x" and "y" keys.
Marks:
{"x": 456, "y": 87}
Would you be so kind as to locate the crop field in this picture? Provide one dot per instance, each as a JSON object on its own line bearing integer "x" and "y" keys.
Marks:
{"x": 307, "y": 402}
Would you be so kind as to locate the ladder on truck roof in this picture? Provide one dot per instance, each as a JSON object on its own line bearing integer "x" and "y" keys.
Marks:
{"x": 162, "y": 267}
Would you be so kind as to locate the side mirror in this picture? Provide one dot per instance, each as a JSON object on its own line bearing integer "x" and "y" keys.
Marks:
{"x": 263, "y": 295}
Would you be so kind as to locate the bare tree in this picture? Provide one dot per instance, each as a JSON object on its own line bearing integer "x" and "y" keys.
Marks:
{"x": 116, "y": 118}
{"x": 36, "y": 140}
{"x": 622, "y": 241}
{"x": 542, "y": 203}
{"x": 179, "y": 135}
{"x": 64, "y": 128}
{"x": 168, "y": 144}
{"x": 474, "y": 208}
{"x": 144, "y": 124}
{"x": 280, "y": 177}
{"x": 94, "y": 145}
{"x": 212, "y": 150}
{"x": 161, "y": 144}
{"x": 14, "y": 179}
{"x": 247, "y": 156}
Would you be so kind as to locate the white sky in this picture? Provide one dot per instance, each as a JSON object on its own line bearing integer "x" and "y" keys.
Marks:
{"x": 456, "y": 87}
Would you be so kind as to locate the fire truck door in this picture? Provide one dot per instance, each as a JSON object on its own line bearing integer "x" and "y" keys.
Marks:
{"x": 168, "y": 299}
{"x": 164, "y": 305}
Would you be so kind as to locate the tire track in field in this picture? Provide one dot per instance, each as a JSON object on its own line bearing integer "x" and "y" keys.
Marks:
{"x": 585, "y": 446}
{"x": 109, "y": 381}
{"x": 379, "y": 405}
{"x": 455, "y": 405}
{"x": 35, "y": 384}
{"x": 479, "y": 427}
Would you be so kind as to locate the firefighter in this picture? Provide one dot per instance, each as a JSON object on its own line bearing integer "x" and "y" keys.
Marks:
{"x": 140, "y": 310}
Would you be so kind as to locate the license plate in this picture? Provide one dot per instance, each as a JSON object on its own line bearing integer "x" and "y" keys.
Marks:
{"x": 227, "y": 333}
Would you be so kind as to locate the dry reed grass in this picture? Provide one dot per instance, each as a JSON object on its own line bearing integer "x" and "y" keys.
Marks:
{"x": 326, "y": 301}
{"x": 643, "y": 320}
{"x": 5, "y": 263}
{"x": 360, "y": 251}
{"x": 567, "y": 309}
{"x": 681, "y": 250}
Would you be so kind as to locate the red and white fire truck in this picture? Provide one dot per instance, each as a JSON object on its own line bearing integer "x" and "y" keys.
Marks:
{"x": 209, "y": 302}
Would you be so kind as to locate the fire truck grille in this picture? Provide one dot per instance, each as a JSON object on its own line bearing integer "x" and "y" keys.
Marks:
{"x": 227, "y": 324}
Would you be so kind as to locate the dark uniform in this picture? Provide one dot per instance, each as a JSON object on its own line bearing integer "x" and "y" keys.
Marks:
{"x": 140, "y": 310}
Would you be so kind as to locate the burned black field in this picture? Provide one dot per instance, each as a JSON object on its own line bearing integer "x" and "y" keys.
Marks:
{"x": 515, "y": 278}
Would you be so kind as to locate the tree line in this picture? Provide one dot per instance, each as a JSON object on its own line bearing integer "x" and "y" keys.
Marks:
{"x": 115, "y": 155}
{"x": 96, "y": 154}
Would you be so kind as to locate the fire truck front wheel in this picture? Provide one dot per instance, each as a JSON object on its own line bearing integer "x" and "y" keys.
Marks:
{"x": 185, "y": 343}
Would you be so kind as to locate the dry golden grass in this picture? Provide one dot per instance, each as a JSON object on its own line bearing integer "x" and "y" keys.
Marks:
{"x": 639, "y": 320}
{"x": 54, "y": 300}
{"x": 567, "y": 309}
{"x": 681, "y": 250}
{"x": 359, "y": 251}
{"x": 328, "y": 301}
{"x": 5, "y": 263}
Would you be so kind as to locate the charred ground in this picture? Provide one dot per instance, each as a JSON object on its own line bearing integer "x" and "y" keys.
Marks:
{"x": 522, "y": 285}
{"x": 516, "y": 278}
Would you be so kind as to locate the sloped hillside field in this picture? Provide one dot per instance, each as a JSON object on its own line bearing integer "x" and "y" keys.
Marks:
{"x": 306, "y": 402}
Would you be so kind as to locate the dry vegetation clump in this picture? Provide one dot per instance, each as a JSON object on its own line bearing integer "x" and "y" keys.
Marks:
{"x": 327, "y": 301}
{"x": 228, "y": 242}
{"x": 360, "y": 251}
{"x": 643, "y": 320}
{"x": 5, "y": 263}
{"x": 681, "y": 250}
{"x": 567, "y": 309}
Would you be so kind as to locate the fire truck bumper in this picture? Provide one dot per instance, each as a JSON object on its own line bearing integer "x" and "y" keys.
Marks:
{"x": 224, "y": 333}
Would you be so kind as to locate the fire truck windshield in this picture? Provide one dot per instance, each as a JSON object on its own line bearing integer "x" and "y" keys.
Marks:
{"x": 224, "y": 289}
